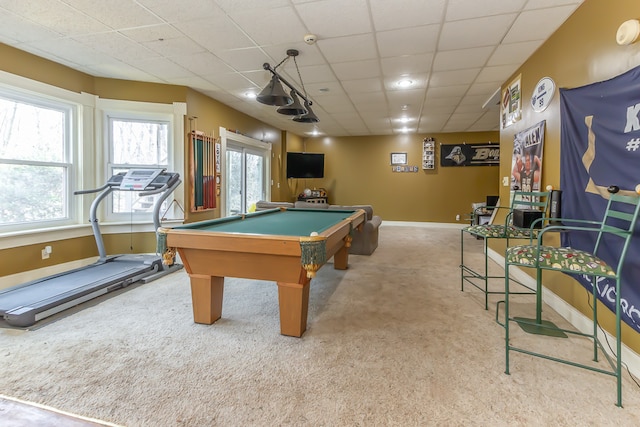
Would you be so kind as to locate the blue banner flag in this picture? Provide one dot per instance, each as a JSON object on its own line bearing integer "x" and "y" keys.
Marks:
{"x": 600, "y": 147}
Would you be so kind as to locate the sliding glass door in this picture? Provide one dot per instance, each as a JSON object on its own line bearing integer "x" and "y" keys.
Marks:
{"x": 246, "y": 166}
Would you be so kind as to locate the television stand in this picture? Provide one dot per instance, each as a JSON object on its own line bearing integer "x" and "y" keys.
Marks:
{"x": 302, "y": 198}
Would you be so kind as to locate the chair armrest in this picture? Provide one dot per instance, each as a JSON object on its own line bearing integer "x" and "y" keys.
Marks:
{"x": 599, "y": 227}
{"x": 375, "y": 221}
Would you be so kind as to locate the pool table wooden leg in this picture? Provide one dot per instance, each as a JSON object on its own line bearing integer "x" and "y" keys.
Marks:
{"x": 293, "y": 299}
{"x": 341, "y": 258}
{"x": 206, "y": 297}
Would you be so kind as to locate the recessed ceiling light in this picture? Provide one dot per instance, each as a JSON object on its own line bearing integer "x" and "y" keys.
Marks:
{"x": 404, "y": 119}
{"x": 404, "y": 83}
{"x": 251, "y": 95}
{"x": 404, "y": 107}
{"x": 323, "y": 89}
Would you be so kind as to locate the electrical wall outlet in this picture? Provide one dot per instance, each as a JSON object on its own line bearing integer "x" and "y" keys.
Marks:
{"x": 457, "y": 217}
{"x": 46, "y": 252}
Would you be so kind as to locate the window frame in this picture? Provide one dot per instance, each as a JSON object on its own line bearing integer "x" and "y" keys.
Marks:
{"x": 88, "y": 168}
{"x": 27, "y": 91}
{"x": 173, "y": 115}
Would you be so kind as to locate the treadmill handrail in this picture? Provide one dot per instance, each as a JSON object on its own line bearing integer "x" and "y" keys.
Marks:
{"x": 107, "y": 189}
{"x": 95, "y": 190}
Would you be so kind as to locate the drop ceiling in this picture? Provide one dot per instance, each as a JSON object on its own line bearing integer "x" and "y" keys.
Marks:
{"x": 456, "y": 53}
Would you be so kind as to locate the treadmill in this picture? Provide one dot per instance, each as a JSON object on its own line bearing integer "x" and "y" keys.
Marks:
{"x": 25, "y": 304}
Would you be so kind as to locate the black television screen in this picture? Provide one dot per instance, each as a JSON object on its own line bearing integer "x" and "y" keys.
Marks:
{"x": 305, "y": 165}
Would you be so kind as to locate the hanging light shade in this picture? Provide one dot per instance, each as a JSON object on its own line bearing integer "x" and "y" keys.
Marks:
{"x": 294, "y": 109}
{"x": 274, "y": 94}
{"x": 309, "y": 117}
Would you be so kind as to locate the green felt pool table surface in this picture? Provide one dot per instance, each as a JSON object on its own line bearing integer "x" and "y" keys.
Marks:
{"x": 290, "y": 222}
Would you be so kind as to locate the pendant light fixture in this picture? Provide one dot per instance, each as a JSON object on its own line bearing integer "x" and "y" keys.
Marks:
{"x": 275, "y": 95}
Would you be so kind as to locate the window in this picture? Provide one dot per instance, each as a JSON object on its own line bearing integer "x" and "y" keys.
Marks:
{"x": 54, "y": 142}
{"x": 35, "y": 160}
{"x": 142, "y": 136}
{"x": 139, "y": 144}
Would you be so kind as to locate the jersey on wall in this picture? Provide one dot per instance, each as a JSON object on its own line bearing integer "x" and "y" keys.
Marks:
{"x": 600, "y": 147}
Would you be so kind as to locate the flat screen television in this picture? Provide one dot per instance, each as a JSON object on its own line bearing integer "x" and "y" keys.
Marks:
{"x": 305, "y": 165}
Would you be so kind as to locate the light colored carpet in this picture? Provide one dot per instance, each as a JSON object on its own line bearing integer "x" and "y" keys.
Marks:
{"x": 390, "y": 342}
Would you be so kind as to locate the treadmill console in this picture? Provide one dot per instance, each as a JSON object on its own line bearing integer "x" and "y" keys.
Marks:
{"x": 142, "y": 179}
{"x": 139, "y": 179}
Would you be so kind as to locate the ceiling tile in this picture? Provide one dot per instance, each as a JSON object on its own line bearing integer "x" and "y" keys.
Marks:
{"x": 362, "y": 85}
{"x": 402, "y": 65}
{"x": 18, "y": 30}
{"x": 528, "y": 26}
{"x": 470, "y": 33}
{"x": 265, "y": 25}
{"x": 183, "y": 10}
{"x": 389, "y": 15}
{"x": 539, "y": 4}
{"x": 408, "y": 41}
{"x": 447, "y": 91}
{"x": 335, "y": 18}
{"x": 466, "y": 9}
{"x": 453, "y": 78}
{"x": 203, "y": 63}
{"x": 58, "y": 17}
{"x": 357, "y": 69}
{"x": 162, "y": 68}
{"x": 496, "y": 74}
{"x": 462, "y": 58}
{"x": 352, "y": 48}
{"x": 117, "y": 14}
{"x": 235, "y": 5}
{"x": 249, "y": 59}
{"x": 152, "y": 33}
{"x": 175, "y": 46}
{"x": 513, "y": 53}
{"x": 215, "y": 36}
{"x": 116, "y": 46}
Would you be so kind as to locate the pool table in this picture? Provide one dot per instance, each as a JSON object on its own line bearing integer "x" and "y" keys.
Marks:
{"x": 284, "y": 245}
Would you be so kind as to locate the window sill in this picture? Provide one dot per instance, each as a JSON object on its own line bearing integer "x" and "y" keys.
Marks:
{"x": 31, "y": 237}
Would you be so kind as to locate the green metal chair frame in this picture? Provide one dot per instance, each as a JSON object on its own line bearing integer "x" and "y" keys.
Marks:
{"x": 541, "y": 257}
{"x": 538, "y": 200}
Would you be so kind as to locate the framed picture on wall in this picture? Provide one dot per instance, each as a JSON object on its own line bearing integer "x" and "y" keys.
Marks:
{"x": 398, "y": 159}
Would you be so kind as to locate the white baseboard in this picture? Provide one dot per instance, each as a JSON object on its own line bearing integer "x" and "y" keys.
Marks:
{"x": 570, "y": 314}
{"x": 424, "y": 224}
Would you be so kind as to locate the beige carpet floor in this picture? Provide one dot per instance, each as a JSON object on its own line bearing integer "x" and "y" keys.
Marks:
{"x": 390, "y": 342}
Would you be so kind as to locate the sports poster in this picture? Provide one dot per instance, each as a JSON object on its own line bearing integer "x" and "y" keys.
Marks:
{"x": 511, "y": 104}
{"x": 526, "y": 164}
{"x": 600, "y": 147}
{"x": 470, "y": 154}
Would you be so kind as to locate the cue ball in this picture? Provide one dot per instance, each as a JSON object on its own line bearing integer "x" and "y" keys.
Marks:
{"x": 313, "y": 233}
{"x": 549, "y": 187}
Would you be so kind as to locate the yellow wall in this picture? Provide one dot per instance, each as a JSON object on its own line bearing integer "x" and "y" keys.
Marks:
{"x": 358, "y": 171}
{"x": 581, "y": 52}
{"x": 208, "y": 115}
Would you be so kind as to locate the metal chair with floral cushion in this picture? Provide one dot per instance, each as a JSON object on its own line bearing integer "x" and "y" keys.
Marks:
{"x": 614, "y": 233}
{"x": 524, "y": 200}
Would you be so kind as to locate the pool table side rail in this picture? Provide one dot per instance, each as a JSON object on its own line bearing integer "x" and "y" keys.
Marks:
{"x": 257, "y": 243}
